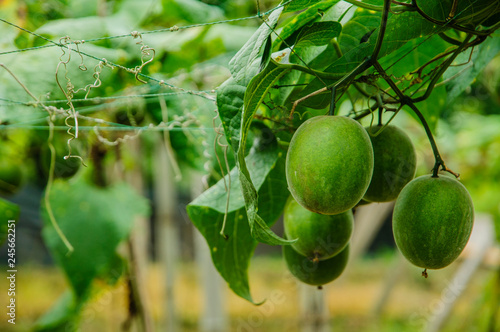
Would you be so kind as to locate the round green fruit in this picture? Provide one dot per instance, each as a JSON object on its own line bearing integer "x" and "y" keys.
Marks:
{"x": 395, "y": 162}
{"x": 329, "y": 164}
{"x": 316, "y": 273}
{"x": 432, "y": 221}
{"x": 319, "y": 236}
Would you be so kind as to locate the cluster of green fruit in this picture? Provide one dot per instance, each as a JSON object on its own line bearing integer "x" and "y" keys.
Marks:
{"x": 333, "y": 164}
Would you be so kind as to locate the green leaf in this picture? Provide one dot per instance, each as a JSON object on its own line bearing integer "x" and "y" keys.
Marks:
{"x": 193, "y": 11}
{"x": 95, "y": 221}
{"x": 78, "y": 28}
{"x": 401, "y": 28}
{"x": 62, "y": 316}
{"x": 319, "y": 33}
{"x": 467, "y": 13}
{"x": 257, "y": 89}
{"x": 231, "y": 257}
{"x": 266, "y": 55}
{"x": 230, "y": 97}
{"x": 319, "y": 58}
{"x": 242, "y": 64}
{"x": 230, "y": 108}
{"x": 313, "y": 12}
{"x": 419, "y": 51}
{"x": 463, "y": 75}
{"x": 8, "y": 211}
{"x": 254, "y": 95}
{"x": 299, "y": 5}
{"x": 358, "y": 30}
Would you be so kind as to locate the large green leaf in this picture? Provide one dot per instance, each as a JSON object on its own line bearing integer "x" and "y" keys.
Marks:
{"x": 230, "y": 97}
{"x": 293, "y": 26}
{"x": 257, "y": 89}
{"x": 95, "y": 221}
{"x": 242, "y": 64}
{"x": 358, "y": 30}
{"x": 319, "y": 33}
{"x": 8, "y": 211}
{"x": 319, "y": 57}
{"x": 231, "y": 256}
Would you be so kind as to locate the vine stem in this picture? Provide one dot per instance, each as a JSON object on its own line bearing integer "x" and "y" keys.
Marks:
{"x": 445, "y": 66}
{"x": 345, "y": 80}
{"x": 432, "y": 141}
{"x": 383, "y": 27}
{"x": 48, "y": 189}
{"x": 397, "y": 9}
{"x": 406, "y": 100}
{"x": 50, "y": 180}
{"x": 449, "y": 23}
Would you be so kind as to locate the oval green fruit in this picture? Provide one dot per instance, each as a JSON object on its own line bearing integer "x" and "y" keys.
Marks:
{"x": 432, "y": 221}
{"x": 394, "y": 166}
{"x": 316, "y": 273}
{"x": 319, "y": 236}
{"x": 329, "y": 164}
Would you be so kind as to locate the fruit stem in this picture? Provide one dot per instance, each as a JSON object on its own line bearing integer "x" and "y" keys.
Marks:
{"x": 406, "y": 100}
{"x": 432, "y": 141}
{"x": 437, "y": 155}
{"x": 425, "y": 274}
{"x": 332, "y": 102}
{"x": 444, "y": 67}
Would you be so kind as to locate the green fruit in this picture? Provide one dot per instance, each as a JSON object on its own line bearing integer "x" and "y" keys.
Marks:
{"x": 329, "y": 164}
{"x": 319, "y": 236}
{"x": 432, "y": 221}
{"x": 395, "y": 162}
{"x": 315, "y": 273}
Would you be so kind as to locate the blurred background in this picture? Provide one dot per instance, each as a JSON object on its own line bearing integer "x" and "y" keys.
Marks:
{"x": 161, "y": 140}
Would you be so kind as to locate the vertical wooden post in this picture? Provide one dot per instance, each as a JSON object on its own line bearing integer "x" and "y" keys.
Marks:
{"x": 167, "y": 241}
{"x": 394, "y": 274}
{"x": 214, "y": 317}
{"x": 138, "y": 241}
{"x": 367, "y": 222}
{"x": 313, "y": 309}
